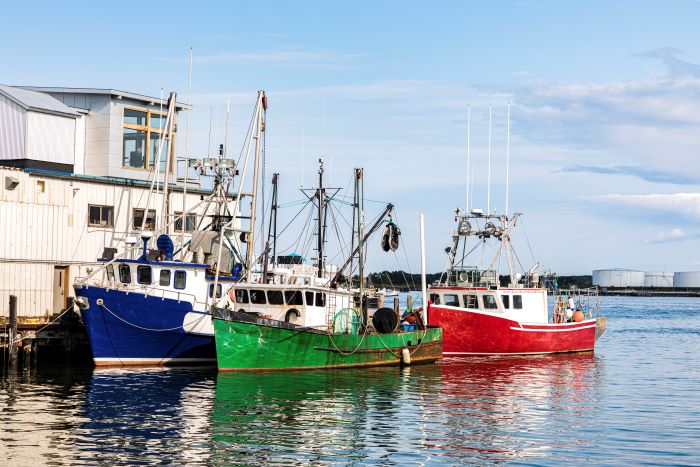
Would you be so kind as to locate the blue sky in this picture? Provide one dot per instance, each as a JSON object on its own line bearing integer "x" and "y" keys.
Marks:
{"x": 605, "y": 105}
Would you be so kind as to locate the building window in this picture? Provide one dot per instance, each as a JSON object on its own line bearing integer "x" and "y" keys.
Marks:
{"x": 142, "y": 133}
{"x": 150, "y": 219}
{"x": 100, "y": 216}
{"x": 125, "y": 273}
{"x": 190, "y": 222}
{"x": 164, "y": 277}
{"x": 180, "y": 280}
{"x": 40, "y": 186}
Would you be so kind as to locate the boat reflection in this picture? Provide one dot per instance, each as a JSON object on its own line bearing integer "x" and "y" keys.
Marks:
{"x": 149, "y": 413}
{"x": 506, "y": 408}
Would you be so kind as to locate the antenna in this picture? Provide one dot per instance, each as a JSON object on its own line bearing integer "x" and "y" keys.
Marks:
{"x": 323, "y": 127}
{"x": 211, "y": 116}
{"x": 507, "y": 157}
{"x": 228, "y": 107}
{"x": 187, "y": 165}
{"x": 302, "y": 157}
{"x": 468, "y": 124}
{"x": 488, "y": 183}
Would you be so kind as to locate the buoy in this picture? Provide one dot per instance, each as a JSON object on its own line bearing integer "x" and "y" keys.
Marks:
{"x": 405, "y": 356}
{"x": 578, "y": 316}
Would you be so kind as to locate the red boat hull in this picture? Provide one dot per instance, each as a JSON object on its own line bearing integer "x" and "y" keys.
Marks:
{"x": 474, "y": 333}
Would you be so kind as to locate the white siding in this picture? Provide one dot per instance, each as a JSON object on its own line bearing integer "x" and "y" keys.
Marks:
{"x": 658, "y": 279}
{"x": 79, "y": 166}
{"x": 41, "y": 230}
{"x": 12, "y": 129}
{"x": 618, "y": 278}
{"x": 686, "y": 279}
{"x": 50, "y": 138}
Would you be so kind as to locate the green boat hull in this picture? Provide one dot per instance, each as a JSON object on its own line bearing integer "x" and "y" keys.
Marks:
{"x": 248, "y": 343}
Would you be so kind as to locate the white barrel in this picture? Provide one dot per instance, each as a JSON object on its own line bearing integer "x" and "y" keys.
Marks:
{"x": 686, "y": 279}
{"x": 618, "y": 278}
{"x": 658, "y": 279}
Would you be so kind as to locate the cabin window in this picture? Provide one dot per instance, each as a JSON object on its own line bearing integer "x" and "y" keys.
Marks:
{"x": 309, "y": 298}
{"x": 110, "y": 272}
{"x": 100, "y": 216}
{"x": 293, "y": 297}
{"x": 125, "y": 273}
{"x": 180, "y": 280}
{"x": 218, "y": 290}
{"x": 150, "y": 219}
{"x": 490, "y": 302}
{"x": 320, "y": 299}
{"x": 190, "y": 222}
{"x": 517, "y": 302}
{"x": 241, "y": 296}
{"x": 435, "y": 298}
{"x": 143, "y": 274}
{"x": 470, "y": 301}
{"x": 141, "y": 138}
{"x": 506, "y": 301}
{"x": 275, "y": 297}
{"x": 164, "y": 277}
{"x": 257, "y": 297}
{"x": 451, "y": 300}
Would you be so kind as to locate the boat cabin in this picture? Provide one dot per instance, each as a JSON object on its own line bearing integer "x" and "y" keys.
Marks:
{"x": 522, "y": 304}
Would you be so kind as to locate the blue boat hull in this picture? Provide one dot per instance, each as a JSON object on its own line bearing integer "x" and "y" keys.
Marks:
{"x": 134, "y": 329}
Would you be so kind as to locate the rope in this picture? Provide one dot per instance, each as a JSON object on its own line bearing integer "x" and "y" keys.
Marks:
{"x": 145, "y": 328}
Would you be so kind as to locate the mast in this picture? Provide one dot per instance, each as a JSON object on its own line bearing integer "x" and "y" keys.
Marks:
{"x": 507, "y": 158}
{"x": 187, "y": 164}
{"x": 423, "y": 282}
{"x": 359, "y": 190}
{"x": 272, "y": 229}
{"x": 262, "y": 108}
{"x": 320, "y": 194}
{"x": 166, "y": 173}
{"x": 488, "y": 183}
{"x": 468, "y": 134}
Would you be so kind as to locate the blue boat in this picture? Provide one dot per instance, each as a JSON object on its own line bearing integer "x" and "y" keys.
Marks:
{"x": 154, "y": 310}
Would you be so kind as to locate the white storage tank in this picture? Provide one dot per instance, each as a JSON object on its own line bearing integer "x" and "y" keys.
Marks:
{"x": 658, "y": 279}
{"x": 686, "y": 279}
{"x": 618, "y": 278}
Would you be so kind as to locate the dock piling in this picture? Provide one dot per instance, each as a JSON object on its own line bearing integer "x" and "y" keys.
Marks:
{"x": 12, "y": 338}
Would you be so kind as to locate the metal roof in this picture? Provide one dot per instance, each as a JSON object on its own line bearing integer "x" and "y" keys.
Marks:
{"x": 37, "y": 101}
{"x": 111, "y": 92}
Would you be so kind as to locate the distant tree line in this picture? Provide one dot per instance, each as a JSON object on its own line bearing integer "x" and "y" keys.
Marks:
{"x": 407, "y": 281}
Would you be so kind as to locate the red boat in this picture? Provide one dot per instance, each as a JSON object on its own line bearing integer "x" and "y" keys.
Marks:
{"x": 480, "y": 317}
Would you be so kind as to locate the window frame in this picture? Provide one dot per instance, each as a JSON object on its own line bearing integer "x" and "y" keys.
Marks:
{"x": 471, "y": 301}
{"x": 241, "y": 296}
{"x": 147, "y": 213}
{"x": 121, "y": 268}
{"x": 505, "y": 300}
{"x": 184, "y": 285}
{"x": 278, "y": 294}
{"x": 256, "y": 293}
{"x": 306, "y": 297}
{"x": 148, "y": 129}
{"x": 211, "y": 290}
{"x": 109, "y": 270}
{"x": 487, "y": 304}
{"x": 454, "y": 299}
{"x": 434, "y": 298}
{"x": 517, "y": 302}
{"x": 177, "y": 225}
{"x": 289, "y": 297}
{"x": 143, "y": 267}
{"x": 160, "y": 277}
{"x": 100, "y": 225}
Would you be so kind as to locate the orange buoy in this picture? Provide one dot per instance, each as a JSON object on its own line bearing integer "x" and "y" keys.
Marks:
{"x": 578, "y": 316}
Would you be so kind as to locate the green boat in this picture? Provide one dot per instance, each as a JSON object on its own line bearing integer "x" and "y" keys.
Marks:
{"x": 293, "y": 316}
{"x": 246, "y": 342}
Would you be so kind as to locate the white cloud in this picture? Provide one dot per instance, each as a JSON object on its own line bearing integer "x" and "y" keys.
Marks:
{"x": 685, "y": 204}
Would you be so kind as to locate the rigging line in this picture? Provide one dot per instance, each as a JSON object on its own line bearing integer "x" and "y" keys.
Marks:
{"x": 527, "y": 239}
{"x": 298, "y": 245}
{"x": 339, "y": 235}
{"x": 249, "y": 134}
{"x": 370, "y": 200}
{"x": 293, "y": 219}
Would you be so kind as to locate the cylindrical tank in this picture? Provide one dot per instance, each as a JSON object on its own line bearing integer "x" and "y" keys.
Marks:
{"x": 618, "y": 278}
{"x": 658, "y": 279}
{"x": 686, "y": 279}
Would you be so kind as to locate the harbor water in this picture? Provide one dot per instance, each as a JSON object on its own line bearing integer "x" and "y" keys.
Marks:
{"x": 636, "y": 400}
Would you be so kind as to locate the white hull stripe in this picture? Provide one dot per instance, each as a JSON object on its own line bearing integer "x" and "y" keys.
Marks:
{"x": 513, "y": 353}
{"x": 151, "y": 360}
{"x": 553, "y": 330}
